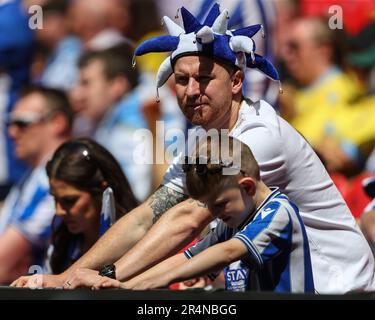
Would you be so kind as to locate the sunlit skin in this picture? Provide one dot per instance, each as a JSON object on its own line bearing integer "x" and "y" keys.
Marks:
{"x": 234, "y": 204}
{"x": 208, "y": 93}
{"x": 31, "y": 150}
{"x": 305, "y": 59}
{"x": 78, "y": 209}
{"x": 88, "y": 94}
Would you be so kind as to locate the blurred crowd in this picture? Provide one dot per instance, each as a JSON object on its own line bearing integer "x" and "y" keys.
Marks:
{"x": 76, "y": 77}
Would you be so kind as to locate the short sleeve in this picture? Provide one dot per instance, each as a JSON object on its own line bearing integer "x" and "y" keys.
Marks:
{"x": 219, "y": 234}
{"x": 268, "y": 234}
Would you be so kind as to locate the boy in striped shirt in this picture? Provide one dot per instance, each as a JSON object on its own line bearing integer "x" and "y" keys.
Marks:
{"x": 258, "y": 226}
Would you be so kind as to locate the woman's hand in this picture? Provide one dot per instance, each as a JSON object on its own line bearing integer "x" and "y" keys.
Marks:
{"x": 80, "y": 278}
{"x": 38, "y": 281}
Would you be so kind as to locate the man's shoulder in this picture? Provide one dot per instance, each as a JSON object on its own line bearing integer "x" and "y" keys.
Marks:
{"x": 38, "y": 176}
{"x": 252, "y": 114}
{"x": 259, "y": 127}
{"x": 257, "y": 105}
{"x": 32, "y": 190}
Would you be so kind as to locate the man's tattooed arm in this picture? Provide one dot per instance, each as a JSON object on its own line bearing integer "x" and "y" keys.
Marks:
{"x": 163, "y": 199}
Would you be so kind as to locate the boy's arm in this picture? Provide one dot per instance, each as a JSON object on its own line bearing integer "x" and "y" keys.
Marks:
{"x": 248, "y": 244}
{"x": 210, "y": 260}
{"x": 177, "y": 268}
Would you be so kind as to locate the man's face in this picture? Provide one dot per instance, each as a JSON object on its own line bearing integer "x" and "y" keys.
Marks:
{"x": 301, "y": 53}
{"x": 204, "y": 91}
{"x": 93, "y": 94}
{"x": 232, "y": 205}
{"x": 29, "y": 127}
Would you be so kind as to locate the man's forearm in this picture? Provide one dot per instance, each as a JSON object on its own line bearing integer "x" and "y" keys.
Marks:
{"x": 126, "y": 232}
{"x": 117, "y": 240}
{"x": 175, "y": 229}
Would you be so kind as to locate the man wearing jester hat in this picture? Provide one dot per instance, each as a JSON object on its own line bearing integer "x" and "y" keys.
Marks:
{"x": 207, "y": 61}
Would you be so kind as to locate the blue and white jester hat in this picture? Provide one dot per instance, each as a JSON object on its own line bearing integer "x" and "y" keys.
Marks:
{"x": 212, "y": 38}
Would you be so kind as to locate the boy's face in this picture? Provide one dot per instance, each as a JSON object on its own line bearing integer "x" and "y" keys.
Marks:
{"x": 232, "y": 205}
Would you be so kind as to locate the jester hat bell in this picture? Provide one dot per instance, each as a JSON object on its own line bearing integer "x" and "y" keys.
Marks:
{"x": 211, "y": 38}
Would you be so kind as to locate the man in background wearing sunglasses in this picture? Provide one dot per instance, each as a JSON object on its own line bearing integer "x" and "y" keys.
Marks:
{"x": 40, "y": 122}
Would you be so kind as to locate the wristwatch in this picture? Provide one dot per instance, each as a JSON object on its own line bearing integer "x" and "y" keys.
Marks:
{"x": 109, "y": 271}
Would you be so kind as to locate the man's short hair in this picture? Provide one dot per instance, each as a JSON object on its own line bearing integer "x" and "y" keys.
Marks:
{"x": 117, "y": 61}
{"x": 56, "y": 101}
{"x": 208, "y": 178}
{"x": 322, "y": 34}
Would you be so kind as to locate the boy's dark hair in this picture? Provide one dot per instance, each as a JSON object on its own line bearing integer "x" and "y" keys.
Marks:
{"x": 207, "y": 178}
{"x": 56, "y": 101}
{"x": 117, "y": 61}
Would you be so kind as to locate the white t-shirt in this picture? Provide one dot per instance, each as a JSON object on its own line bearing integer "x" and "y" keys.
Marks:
{"x": 341, "y": 258}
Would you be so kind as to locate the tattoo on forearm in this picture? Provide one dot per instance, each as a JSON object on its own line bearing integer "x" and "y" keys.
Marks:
{"x": 163, "y": 199}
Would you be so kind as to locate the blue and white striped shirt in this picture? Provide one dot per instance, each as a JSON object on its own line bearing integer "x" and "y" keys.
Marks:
{"x": 279, "y": 256}
{"x": 29, "y": 208}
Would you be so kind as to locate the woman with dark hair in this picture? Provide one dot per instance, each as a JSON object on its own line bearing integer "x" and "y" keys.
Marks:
{"x": 90, "y": 192}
